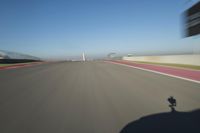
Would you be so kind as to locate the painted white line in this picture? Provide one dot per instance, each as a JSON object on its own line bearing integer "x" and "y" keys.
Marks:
{"x": 170, "y": 75}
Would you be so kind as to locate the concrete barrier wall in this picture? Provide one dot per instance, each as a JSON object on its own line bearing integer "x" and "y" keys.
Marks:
{"x": 174, "y": 59}
{"x": 10, "y": 61}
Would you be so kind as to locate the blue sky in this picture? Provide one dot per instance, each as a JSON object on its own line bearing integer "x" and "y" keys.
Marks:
{"x": 66, "y": 28}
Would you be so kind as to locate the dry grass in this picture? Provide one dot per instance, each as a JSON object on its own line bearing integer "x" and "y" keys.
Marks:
{"x": 174, "y": 65}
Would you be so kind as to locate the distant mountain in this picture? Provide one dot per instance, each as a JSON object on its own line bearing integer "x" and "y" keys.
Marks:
{"x": 13, "y": 55}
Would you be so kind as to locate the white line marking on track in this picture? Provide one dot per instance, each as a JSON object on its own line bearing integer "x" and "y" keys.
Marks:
{"x": 170, "y": 75}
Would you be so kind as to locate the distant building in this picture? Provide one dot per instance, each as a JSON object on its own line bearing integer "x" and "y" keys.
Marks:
{"x": 130, "y": 55}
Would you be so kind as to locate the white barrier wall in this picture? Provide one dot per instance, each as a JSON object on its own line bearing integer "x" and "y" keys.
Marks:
{"x": 174, "y": 59}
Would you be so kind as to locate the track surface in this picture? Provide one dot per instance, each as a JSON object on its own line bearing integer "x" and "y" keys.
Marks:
{"x": 86, "y": 97}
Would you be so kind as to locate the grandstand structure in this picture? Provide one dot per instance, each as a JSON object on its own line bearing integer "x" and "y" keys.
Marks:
{"x": 13, "y": 55}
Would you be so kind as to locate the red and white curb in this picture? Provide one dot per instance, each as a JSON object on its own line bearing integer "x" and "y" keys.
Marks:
{"x": 19, "y": 66}
{"x": 162, "y": 73}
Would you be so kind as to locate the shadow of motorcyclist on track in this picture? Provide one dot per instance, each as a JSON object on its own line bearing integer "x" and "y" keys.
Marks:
{"x": 169, "y": 122}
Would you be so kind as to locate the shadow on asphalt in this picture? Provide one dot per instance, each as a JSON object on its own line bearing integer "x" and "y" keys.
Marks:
{"x": 169, "y": 122}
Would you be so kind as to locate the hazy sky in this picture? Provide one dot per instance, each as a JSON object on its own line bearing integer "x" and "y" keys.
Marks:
{"x": 62, "y": 28}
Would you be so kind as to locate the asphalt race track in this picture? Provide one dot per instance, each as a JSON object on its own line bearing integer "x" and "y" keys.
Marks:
{"x": 88, "y": 97}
